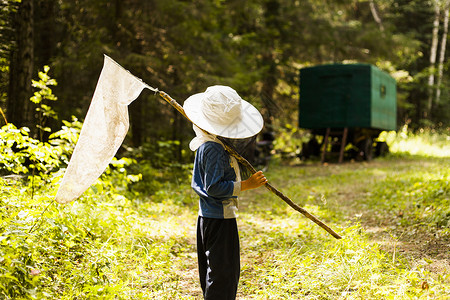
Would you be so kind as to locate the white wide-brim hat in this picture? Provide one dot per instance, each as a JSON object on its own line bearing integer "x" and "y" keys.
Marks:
{"x": 221, "y": 111}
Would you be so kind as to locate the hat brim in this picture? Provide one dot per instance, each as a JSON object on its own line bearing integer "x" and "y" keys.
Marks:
{"x": 248, "y": 124}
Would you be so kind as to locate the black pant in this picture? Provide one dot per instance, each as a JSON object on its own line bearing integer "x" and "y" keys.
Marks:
{"x": 218, "y": 257}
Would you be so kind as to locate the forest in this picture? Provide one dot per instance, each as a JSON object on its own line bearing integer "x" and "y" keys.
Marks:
{"x": 182, "y": 47}
{"x": 131, "y": 234}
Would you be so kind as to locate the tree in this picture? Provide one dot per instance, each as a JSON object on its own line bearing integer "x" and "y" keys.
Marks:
{"x": 19, "y": 108}
{"x": 7, "y": 11}
{"x": 442, "y": 51}
{"x": 375, "y": 15}
{"x": 433, "y": 54}
{"x": 415, "y": 57}
{"x": 184, "y": 46}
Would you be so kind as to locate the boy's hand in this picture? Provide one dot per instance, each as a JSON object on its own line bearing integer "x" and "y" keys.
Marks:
{"x": 256, "y": 180}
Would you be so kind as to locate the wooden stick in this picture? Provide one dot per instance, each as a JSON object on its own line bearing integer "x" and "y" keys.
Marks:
{"x": 230, "y": 149}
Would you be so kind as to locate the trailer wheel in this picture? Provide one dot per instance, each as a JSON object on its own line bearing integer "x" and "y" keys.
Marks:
{"x": 366, "y": 149}
{"x": 381, "y": 149}
{"x": 311, "y": 148}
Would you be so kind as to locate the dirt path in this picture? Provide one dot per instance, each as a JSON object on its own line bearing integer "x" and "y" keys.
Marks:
{"x": 416, "y": 243}
{"x": 418, "y": 247}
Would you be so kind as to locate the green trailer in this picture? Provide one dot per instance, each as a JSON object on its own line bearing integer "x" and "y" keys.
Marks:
{"x": 346, "y": 104}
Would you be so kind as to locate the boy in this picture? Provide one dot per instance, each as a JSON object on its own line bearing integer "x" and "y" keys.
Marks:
{"x": 219, "y": 111}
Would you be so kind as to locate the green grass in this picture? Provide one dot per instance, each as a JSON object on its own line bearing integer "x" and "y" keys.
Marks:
{"x": 427, "y": 142}
{"x": 116, "y": 243}
{"x": 355, "y": 199}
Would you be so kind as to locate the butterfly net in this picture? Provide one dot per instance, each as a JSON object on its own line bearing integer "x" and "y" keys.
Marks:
{"x": 104, "y": 129}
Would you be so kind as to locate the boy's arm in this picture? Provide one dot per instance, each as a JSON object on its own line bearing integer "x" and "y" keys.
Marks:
{"x": 256, "y": 180}
{"x": 215, "y": 160}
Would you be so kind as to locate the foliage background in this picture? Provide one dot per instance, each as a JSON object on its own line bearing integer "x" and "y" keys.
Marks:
{"x": 182, "y": 47}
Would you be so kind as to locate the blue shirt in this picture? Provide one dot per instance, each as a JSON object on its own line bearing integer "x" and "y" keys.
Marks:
{"x": 214, "y": 180}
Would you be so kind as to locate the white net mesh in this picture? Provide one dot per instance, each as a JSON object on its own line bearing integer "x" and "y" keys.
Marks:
{"x": 104, "y": 130}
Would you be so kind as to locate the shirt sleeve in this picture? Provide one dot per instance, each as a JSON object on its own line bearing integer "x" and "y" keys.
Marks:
{"x": 237, "y": 188}
{"x": 216, "y": 160}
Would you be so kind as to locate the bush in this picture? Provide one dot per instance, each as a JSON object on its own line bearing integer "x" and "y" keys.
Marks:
{"x": 20, "y": 153}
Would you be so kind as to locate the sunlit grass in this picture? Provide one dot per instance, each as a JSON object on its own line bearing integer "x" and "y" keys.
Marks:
{"x": 113, "y": 244}
{"x": 427, "y": 142}
{"x": 304, "y": 262}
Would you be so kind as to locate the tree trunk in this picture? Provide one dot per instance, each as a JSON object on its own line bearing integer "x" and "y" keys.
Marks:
{"x": 442, "y": 52}
{"x": 45, "y": 31}
{"x": 118, "y": 12}
{"x": 136, "y": 111}
{"x": 268, "y": 88}
{"x": 19, "y": 108}
{"x": 176, "y": 136}
{"x": 375, "y": 15}
{"x": 269, "y": 80}
{"x": 433, "y": 53}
